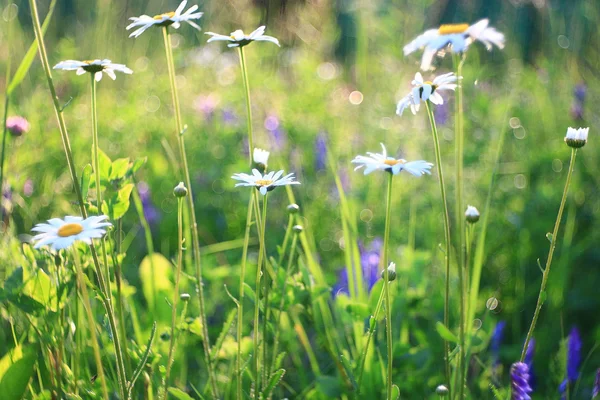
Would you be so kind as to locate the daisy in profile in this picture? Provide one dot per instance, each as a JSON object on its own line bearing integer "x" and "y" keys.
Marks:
{"x": 426, "y": 90}
{"x": 382, "y": 162}
{"x": 172, "y": 18}
{"x": 455, "y": 38}
{"x": 239, "y": 39}
{"x": 265, "y": 183}
{"x": 577, "y": 138}
{"x": 59, "y": 234}
{"x": 96, "y": 67}
{"x": 261, "y": 158}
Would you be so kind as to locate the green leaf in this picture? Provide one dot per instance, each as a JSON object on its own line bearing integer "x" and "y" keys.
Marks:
{"x": 117, "y": 205}
{"x": 445, "y": 332}
{"x": 348, "y": 369}
{"x": 143, "y": 361}
{"x": 226, "y": 327}
{"x": 119, "y": 168}
{"x": 23, "y": 68}
{"x": 40, "y": 288}
{"x": 104, "y": 167}
{"x": 86, "y": 175}
{"x": 137, "y": 164}
{"x": 273, "y": 381}
{"x": 17, "y": 376}
{"x": 395, "y": 392}
{"x": 179, "y": 394}
{"x": 155, "y": 273}
{"x": 549, "y": 236}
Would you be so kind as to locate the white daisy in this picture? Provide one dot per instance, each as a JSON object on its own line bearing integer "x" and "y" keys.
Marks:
{"x": 454, "y": 37}
{"x": 265, "y": 183}
{"x": 239, "y": 39}
{"x": 172, "y": 18}
{"x": 426, "y": 90}
{"x": 381, "y": 162}
{"x": 472, "y": 214}
{"x": 260, "y": 157}
{"x": 96, "y": 67}
{"x": 577, "y": 137}
{"x": 60, "y": 234}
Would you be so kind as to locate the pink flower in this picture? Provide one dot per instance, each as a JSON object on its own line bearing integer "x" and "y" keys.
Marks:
{"x": 17, "y": 125}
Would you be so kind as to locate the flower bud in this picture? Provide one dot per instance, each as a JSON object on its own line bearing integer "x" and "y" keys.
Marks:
{"x": 261, "y": 158}
{"x": 472, "y": 214}
{"x": 17, "y": 126}
{"x": 576, "y": 138}
{"x": 298, "y": 228}
{"x": 391, "y": 272}
{"x": 184, "y": 296}
{"x": 441, "y": 391}
{"x": 293, "y": 208}
{"x": 165, "y": 336}
{"x": 180, "y": 190}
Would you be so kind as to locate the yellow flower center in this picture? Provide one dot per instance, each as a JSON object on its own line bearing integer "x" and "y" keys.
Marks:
{"x": 71, "y": 229}
{"x": 449, "y": 29}
{"x": 164, "y": 15}
{"x": 263, "y": 182}
{"x": 393, "y": 162}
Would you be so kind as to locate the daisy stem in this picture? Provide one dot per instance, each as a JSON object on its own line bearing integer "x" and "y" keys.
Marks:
{"x": 386, "y": 285}
{"x": 91, "y": 323}
{"x": 248, "y": 102}
{"x": 240, "y": 315}
{"x": 175, "y": 292}
{"x": 257, "y": 371}
{"x": 194, "y": 224}
{"x": 460, "y": 226}
{"x": 372, "y": 324}
{"x": 4, "y": 134}
{"x": 542, "y": 295}
{"x": 71, "y": 165}
{"x": 438, "y": 161}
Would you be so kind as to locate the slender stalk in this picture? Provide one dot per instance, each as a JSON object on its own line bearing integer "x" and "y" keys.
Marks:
{"x": 91, "y": 323}
{"x": 118, "y": 281}
{"x": 257, "y": 371}
{"x": 71, "y": 165}
{"x": 248, "y": 102}
{"x": 60, "y": 337}
{"x": 240, "y": 317}
{"x": 192, "y": 210}
{"x": 542, "y": 295}
{"x": 438, "y": 161}
{"x": 176, "y": 290}
{"x": 372, "y": 324}
{"x": 386, "y": 285}
{"x": 460, "y": 226}
{"x": 4, "y": 128}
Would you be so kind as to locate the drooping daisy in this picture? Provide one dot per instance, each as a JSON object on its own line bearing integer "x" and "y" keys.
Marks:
{"x": 261, "y": 157}
{"x": 60, "y": 234}
{"x": 426, "y": 90}
{"x": 96, "y": 67}
{"x": 239, "y": 39}
{"x": 381, "y": 162}
{"x": 577, "y": 138}
{"x": 455, "y": 38}
{"x": 265, "y": 183}
{"x": 172, "y": 18}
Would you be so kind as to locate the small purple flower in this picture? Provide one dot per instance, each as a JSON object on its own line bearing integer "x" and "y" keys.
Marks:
{"x": 321, "y": 151}
{"x": 28, "y": 188}
{"x": 580, "y": 92}
{"x": 579, "y": 95}
{"x": 497, "y": 336}
{"x": 519, "y": 377}
{"x": 229, "y": 117}
{"x": 573, "y": 360}
{"x": 6, "y": 201}
{"x": 150, "y": 211}
{"x": 441, "y": 113}
{"x": 17, "y": 126}
{"x": 596, "y": 391}
{"x": 369, "y": 260}
{"x": 206, "y": 105}
{"x": 271, "y": 123}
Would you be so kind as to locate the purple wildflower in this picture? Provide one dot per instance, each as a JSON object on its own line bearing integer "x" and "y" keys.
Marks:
{"x": 206, "y": 105}
{"x": 369, "y": 260}
{"x": 496, "y": 339}
{"x": 579, "y": 95}
{"x": 273, "y": 126}
{"x": 573, "y": 360}
{"x": 580, "y": 92}
{"x": 441, "y": 113}
{"x": 17, "y": 126}
{"x": 519, "y": 376}
{"x": 28, "y": 187}
{"x": 596, "y": 391}
{"x": 321, "y": 151}
{"x": 150, "y": 211}
{"x": 6, "y": 201}
{"x": 229, "y": 117}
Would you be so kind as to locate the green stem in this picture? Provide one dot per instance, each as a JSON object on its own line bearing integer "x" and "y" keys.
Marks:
{"x": 460, "y": 226}
{"x": 542, "y": 294}
{"x": 372, "y": 324}
{"x": 71, "y": 165}
{"x": 194, "y": 224}
{"x": 438, "y": 160}
{"x": 248, "y": 103}
{"x": 257, "y": 371}
{"x": 240, "y": 316}
{"x": 60, "y": 337}
{"x": 118, "y": 281}
{"x": 386, "y": 285}
{"x": 175, "y": 291}
{"x": 5, "y": 128}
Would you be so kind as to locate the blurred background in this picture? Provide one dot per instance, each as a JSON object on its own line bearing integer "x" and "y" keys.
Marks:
{"x": 329, "y": 93}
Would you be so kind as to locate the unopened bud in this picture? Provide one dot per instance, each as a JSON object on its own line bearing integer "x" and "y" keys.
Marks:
{"x": 184, "y": 296}
{"x": 472, "y": 214}
{"x": 441, "y": 391}
{"x": 391, "y": 272}
{"x": 180, "y": 190}
{"x": 298, "y": 228}
{"x": 293, "y": 208}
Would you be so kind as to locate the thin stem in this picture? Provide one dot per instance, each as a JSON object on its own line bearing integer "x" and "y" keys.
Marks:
{"x": 60, "y": 338}
{"x": 240, "y": 318}
{"x": 118, "y": 281}
{"x": 91, "y": 323}
{"x": 194, "y": 224}
{"x": 4, "y": 135}
{"x": 248, "y": 102}
{"x": 71, "y": 165}
{"x": 372, "y": 324}
{"x": 386, "y": 285}
{"x": 460, "y": 226}
{"x": 542, "y": 294}
{"x": 176, "y": 290}
{"x": 257, "y": 370}
{"x": 438, "y": 160}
